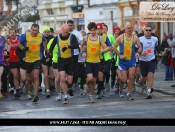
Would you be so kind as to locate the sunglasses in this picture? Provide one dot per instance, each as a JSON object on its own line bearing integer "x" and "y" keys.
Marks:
{"x": 148, "y": 30}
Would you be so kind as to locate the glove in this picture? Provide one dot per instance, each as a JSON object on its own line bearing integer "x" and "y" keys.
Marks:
{"x": 64, "y": 48}
{"x": 48, "y": 56}
{"x": 26, "y": 49}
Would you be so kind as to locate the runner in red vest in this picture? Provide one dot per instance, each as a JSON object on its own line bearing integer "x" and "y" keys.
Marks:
{"x": 14, "y": 60}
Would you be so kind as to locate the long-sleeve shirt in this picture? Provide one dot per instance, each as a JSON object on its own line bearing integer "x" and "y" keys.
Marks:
{"x": 73, "y": 43}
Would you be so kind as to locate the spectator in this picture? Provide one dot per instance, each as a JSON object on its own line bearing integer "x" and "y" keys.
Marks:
{"x": 167, "y": 58}
{"x": 83, "y": 33}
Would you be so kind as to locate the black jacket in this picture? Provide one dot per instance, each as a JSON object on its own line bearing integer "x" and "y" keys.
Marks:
{"x": 165, "y": 59}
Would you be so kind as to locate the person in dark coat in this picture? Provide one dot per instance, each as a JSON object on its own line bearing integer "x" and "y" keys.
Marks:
{"x": 167, "y": 59}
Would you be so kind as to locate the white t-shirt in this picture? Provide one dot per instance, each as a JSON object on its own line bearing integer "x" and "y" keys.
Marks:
{"x": 79, "y": 39}
{"x": 148, "y": 45}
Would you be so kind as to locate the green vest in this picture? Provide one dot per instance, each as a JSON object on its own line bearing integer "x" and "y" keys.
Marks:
{"x": 107, "y": 55}
{"x": 55, "y": 50}
{"x": 116, "y": 57}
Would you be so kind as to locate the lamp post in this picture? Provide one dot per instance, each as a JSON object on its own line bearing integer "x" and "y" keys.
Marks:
{"x": 77, "y": 18}
{"x": 112, "y": 19}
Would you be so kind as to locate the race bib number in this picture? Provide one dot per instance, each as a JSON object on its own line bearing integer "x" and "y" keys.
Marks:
{"x": 93, "y": 49}
{"x": 149, "y": 51}
{"x": 34, "y": 47}
{"x": 127, "y": 52}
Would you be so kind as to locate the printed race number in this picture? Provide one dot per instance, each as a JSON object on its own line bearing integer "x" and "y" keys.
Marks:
{"x": 128, "y": 51}
{"x": 93, "y": 49}
{"x": 34, "y": 47}
{"x": 149, "y": 51}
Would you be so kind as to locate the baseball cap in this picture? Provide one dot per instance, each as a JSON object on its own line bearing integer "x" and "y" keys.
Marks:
{"x": 99, "y": 25}
{"x": 46, "y": 28}
{"x": 144, "y": 25}
{"x": 116, "y": 28}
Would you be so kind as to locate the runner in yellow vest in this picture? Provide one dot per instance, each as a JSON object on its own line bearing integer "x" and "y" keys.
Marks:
{"x": 94, "y": 42}
{"x": 103, "y": 70}
{"x": 66, "y": 42}
{"x": 127, "y": 55}
{"x": 30, "y": 42}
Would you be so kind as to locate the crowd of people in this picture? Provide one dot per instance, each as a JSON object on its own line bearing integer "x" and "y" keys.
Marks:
{"x": 69, "y": 56}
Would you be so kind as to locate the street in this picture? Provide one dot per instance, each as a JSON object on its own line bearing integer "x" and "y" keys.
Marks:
{"x": 110, "y": 106}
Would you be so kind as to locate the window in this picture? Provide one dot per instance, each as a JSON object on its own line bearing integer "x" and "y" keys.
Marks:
{"x": 50, "y": 11}
{"x": 136, "y": 11}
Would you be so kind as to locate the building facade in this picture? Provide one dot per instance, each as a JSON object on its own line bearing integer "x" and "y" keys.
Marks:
{"x": 6, "y": 10}
{"x": 103, "y": 11}
{"x": 55, "y": 13}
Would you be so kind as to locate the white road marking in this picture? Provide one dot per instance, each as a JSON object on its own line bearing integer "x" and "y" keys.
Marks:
{"x": 9, "y": 127}
{"x": 45, "y": 128}
{"x": 20, "y": 112}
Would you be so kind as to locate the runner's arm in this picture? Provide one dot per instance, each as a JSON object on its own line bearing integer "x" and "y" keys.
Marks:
{"x": 103, "y": 45}
{"x": 22, "y": 41}
{"x": 74, "y": 43}
{"x": 52, "y": 45}
{"x": 44, "y": 42}
{"x": 117, "y": 43}
{"x": 19, "y": 54}
{"x": 7, "y": 41}
{"x": 82, "y": 44}
{"x": 108, "y": 43}
{"x": 138, "y": 44}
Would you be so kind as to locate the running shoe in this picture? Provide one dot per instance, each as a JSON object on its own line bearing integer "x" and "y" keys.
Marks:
{"x": 47, "y": 94}
{"x": 28, "y": 96}
{"x": 11, "y": 90}
{"x": 66, "y": 101}
{"x": 17, "y": 94}
{"x": 129, "y": 97}
{"x": 20, "y": 90}
{"x": 85, "y": 91}
{"x": 148, "y": 96}
{"x": 91, "y": 100}
{"x": 121, "y": 94}
{"x": 102, "y": 92}
{"x": 35, "y": 99}
{"x": 5, "y": 95}
{"x": 59, "y": 97}
{"x": 98, "y": 96}
{"x": 40, "y": 90}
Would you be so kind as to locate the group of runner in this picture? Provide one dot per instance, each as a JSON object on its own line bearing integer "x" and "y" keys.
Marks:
{"x": 71, "y": 56}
